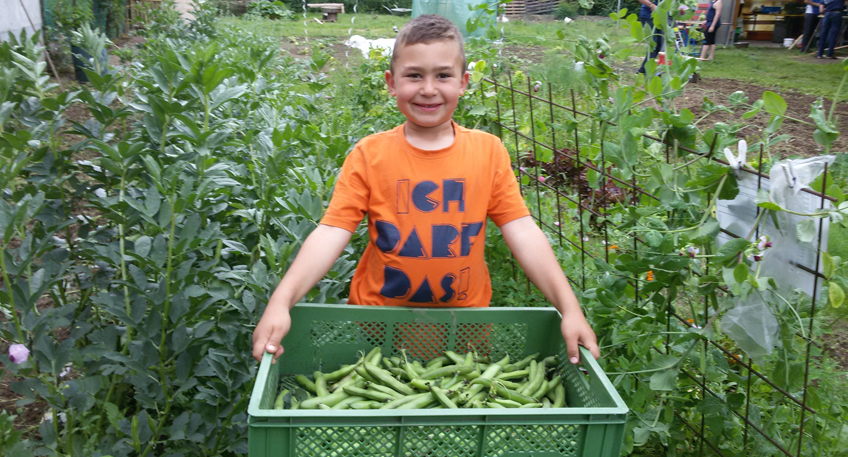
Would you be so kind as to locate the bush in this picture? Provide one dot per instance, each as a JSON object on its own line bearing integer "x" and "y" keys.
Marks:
{"x": 270, "y": 10}
{"x": 605, "y": 7}
{"x": 566, "y": 9}
{"x": 362, "y": 6}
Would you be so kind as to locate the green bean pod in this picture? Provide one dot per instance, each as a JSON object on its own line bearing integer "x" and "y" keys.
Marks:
{"x": 280, "y": 402}
{"x": 386, "y": 378}
{"x": 328, "y": 400}
{"x": 339, "y": 374}
{"x": 385, "y": 389}
{"x": 397, "y": 403}
{"x": 320, "y": 384}
{"x": 370, "y": 394}
{"x": 420, "y": 402}
{"x": 345, "y": 404}
{"x": 305, "y": 383}
{"x": 444, "y": 371}
{"x": 503, "y": 391}
{"x": 442, "y": 397}
{"x": 559, "y": 396}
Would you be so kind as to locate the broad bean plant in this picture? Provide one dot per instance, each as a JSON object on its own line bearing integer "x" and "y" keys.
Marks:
{"x": 138, "y": 247}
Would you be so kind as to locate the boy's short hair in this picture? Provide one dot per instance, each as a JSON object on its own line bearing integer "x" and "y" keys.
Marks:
{"x": 428, "y": 28}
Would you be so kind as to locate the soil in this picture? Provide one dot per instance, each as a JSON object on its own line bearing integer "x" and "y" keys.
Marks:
{"x": 801, "y": 142}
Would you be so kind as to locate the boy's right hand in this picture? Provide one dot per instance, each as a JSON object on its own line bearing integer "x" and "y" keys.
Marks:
{"x": 269, "y": 332}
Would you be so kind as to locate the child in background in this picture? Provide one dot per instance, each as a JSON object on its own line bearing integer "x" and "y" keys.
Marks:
{"x": 427, "y": 187}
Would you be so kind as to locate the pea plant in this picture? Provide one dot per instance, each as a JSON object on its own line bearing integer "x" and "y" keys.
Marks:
{"x": 661, "y": 293}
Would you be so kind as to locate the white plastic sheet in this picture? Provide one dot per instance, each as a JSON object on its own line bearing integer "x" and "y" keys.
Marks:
{"x": 752, "y": 326}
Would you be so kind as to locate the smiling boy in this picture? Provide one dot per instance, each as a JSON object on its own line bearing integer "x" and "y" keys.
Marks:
{"x": 427, "y": 188}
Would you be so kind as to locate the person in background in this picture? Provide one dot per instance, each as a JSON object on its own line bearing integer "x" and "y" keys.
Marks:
{"x": 645, "y": 17}
{"x": 831, "y": 25}
{"x": 811, "y": 19}
{"x": 711, "y": 26}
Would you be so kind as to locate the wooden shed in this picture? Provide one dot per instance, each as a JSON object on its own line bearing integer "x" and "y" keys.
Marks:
{"x": 521, "y": 7}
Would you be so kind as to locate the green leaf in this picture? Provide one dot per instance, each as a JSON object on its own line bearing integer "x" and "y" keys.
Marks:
{"x": 710, "y": 228}
{"x": 829, "y": 266}
{"x": 666, "y": 372}
{"x": 479, "y": 110}
{"x": 728, "y": 251}
{"x": 762, "y": 201}
{"x": 654, "y": 238}
{"x": 655, "y": 87}
{"x": 774, "y": 104}
{"x": 755, "y": 108}
{"x": 737, "y": 98}
{"x": 740, "y": 273}
{"x": 836, "y": 294}
{"x": 806, "y": 231}
{"x": 142, "y": 246}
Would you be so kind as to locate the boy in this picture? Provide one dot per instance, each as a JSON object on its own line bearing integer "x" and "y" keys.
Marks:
{"x": 427, "y": 187}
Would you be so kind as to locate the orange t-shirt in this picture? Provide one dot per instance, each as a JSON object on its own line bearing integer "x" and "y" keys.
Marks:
{"x": 426, "y": 217}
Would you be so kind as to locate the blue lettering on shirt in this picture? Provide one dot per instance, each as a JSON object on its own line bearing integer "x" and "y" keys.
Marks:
{"x": 443, "y": 237}
{"x": 453, "y": 190}
{"x": 421, "y": 196}
{"x": 396, "y": 283}
{"x": 447, "y": 241}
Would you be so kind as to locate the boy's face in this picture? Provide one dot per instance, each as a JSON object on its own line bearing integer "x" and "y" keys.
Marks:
{"x": 427, "y": 81}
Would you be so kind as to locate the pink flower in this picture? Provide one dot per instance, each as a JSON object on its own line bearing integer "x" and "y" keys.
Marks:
{"x": 762, "y": 244}
{"x": 556, "y": 224}
{"x": 18, "y": 353}
{"x": 682, "y": 9}
{"x": 536, "y": 87}
{"x": 541, "y": 179}
{"x": 692, "y": 250}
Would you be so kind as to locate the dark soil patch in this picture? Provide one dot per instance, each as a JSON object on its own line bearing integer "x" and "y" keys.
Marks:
{"x": 836, "y": 343}
{"x": 29, "y": 416}
{"x": 799, "y": 105}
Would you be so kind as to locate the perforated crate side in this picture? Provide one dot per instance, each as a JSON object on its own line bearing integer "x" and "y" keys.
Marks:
{"x": 323, "y": 337}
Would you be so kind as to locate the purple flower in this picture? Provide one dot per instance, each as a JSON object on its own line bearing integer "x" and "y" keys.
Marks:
{"x": 692, "y": 250}
{"x": 536, "y": 87}
{"x": 556, "y": 224}
{"x": 762, "y": 244}
{"x": 757, "y": 258}
{"x": 18, "y": 353}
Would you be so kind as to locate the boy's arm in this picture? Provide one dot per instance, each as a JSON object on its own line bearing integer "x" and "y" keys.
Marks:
{"x": 533, "y": 252}
{"x": 317, "y": 255}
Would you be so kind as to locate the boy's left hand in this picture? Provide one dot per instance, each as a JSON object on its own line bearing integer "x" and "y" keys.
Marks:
{"x": 577, "y": 332}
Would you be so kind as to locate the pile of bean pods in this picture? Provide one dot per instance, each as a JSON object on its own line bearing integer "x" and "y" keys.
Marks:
{"x": 448, "y": 381}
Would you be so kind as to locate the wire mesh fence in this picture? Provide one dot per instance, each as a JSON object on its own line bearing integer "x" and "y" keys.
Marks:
{"x": 723, "y": 402}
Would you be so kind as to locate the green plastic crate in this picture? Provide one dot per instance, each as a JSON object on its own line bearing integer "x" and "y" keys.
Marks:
{"x": 324, "y": 337}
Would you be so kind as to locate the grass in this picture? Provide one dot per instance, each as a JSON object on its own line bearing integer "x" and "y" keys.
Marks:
{"x": 775, "y": 68}
{"x": 369, "y": 25}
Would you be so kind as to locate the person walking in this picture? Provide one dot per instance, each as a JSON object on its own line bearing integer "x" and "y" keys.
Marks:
{"x": 831, "y": 25}
{"x": 646, "y": 17}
